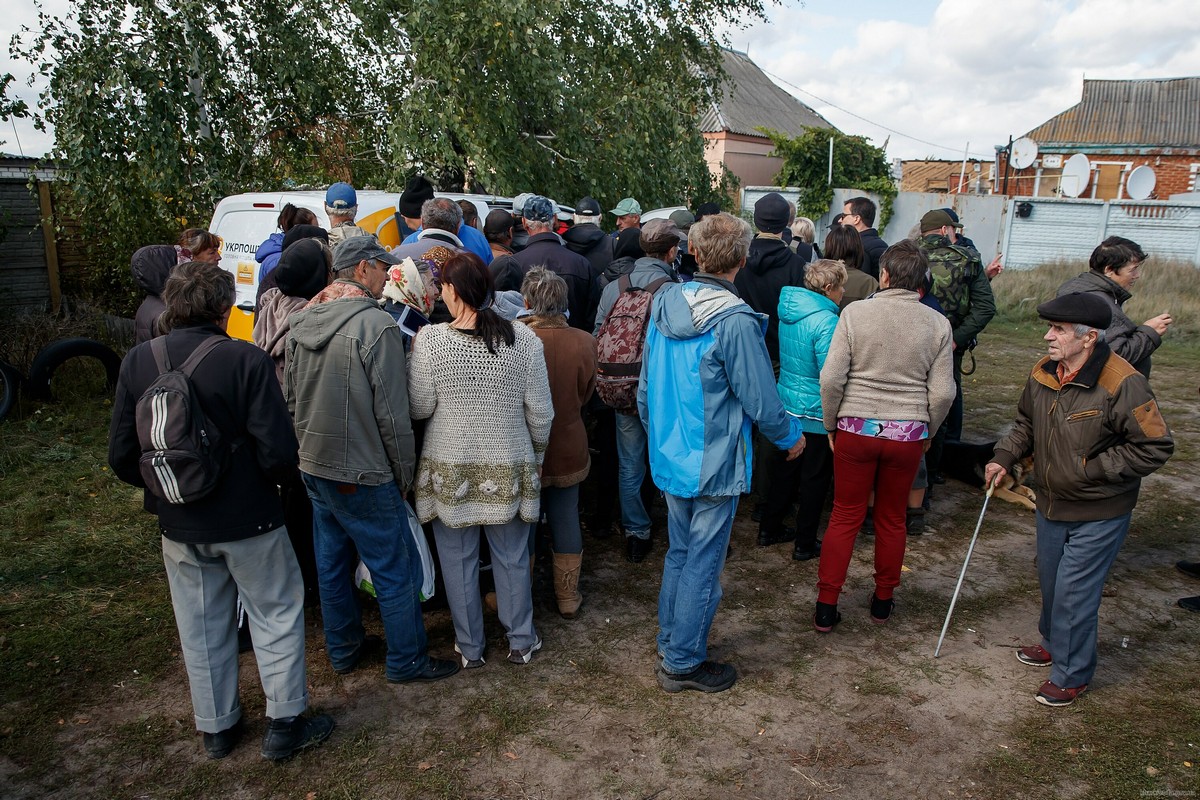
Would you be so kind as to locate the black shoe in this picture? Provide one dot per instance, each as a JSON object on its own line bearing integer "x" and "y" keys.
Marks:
{"x": 286, "y": 737}
{"x": 768, "y": 538}
{"x": 708, "y": 677}
{"x": 1189, "y": 568}
{"x": 1189, "y": 603}
{"x": 881, "y": 609}
{"x": 637, "y": 549}
{"x": 371, "y": 645}
{"x": 221, "y": 744}
{"x": 826, "y": 617}
{"x": 914, "y": 521}
{"x": 806, "y": 552}
{"x": 937, "y": 478}
{"x": 435, "y": 670}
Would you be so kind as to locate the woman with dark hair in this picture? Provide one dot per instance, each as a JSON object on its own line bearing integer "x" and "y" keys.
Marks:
{"x": 887, "y": 384}
{"x": 571, "y": 366}
{"x": 1115, "y": 265}
{"x": 197, "y": 244}
{"x": 481, "y": 382}
{"x": 269, "y": 251}
{"x": 844, "y": 244}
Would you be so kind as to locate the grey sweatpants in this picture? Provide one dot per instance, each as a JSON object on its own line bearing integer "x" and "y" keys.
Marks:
{"x": 205, "y": 581}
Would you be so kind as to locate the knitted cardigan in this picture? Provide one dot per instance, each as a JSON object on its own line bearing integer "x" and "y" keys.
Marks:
{"x": 489, "y": 424}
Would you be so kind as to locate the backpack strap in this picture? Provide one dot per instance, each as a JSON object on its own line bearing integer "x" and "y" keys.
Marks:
{"x": 656, "y": 285}
{"x": 623, "y": 284}
{"x": 198, "y": 355}
{"x": 158, "y": 346}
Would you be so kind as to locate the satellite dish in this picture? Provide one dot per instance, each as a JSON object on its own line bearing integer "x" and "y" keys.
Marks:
{"x": 1140, "y": 183}
{"x": 1075, "y": 175}
{"x": 1024, "y": 151}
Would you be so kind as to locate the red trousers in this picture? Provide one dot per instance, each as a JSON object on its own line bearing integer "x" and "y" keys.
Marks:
{"x": 860, "y": 464}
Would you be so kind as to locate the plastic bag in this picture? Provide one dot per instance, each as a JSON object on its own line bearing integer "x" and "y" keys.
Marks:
{"x": 362, "y": 575}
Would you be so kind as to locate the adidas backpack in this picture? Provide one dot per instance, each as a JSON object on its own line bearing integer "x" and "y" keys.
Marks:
{"x": 620, "y": 343}
{"x": 180, "y": 459}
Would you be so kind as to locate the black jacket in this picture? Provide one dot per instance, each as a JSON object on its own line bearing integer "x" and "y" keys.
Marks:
{"x": 873, "y": 248}
{"x": 592, "y": 243}
{"x": 583, "y": 287}
{"x": 237, "y": 388}
{"x": 770, "y": 266}
{"x": 151, "y": 266}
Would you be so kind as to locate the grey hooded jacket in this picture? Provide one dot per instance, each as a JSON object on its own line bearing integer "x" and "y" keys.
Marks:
{"x": 1130, "y": 341}
{"x": 346, "y": 385}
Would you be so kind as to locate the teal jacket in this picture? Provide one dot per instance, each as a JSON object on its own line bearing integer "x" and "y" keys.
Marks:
{"x": 706, "y": 377}
{"x": 806, "y": 323}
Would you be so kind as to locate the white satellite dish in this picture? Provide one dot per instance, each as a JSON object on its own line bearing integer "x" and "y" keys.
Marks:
{"x": 1024, "y": 152}
{"x": 1075, "y": 175}
{"x": 1140, "y": 183}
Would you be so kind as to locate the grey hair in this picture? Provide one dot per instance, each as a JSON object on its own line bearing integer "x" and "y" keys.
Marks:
{"x": 544, "y": 291}
{"x": 349, "y": 212}
{"x": 441, "y": 213}
{"x": 720, "y": 242}
{"x": 1081, "y": 331}
{"x": 585, "y": 219}
{"x": 824, "y": 272}
{"x": 804, "y": 230}
{"x": 531, "y": 224}
{"x": 345, "y": 273}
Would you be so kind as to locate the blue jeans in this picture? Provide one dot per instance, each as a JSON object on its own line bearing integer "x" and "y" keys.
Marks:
{"x": 691, "y": 586}
{"x": 373, "y": 520}
{"x": 1073, "y": 559}
{"x": 631, "y": 471}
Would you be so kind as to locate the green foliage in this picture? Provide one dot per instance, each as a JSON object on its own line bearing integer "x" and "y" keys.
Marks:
{"x": 857, "y": 164}
{"x": 158, "y": 111}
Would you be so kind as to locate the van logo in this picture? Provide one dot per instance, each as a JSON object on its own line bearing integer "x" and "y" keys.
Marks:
{"x": 245, "y": 272}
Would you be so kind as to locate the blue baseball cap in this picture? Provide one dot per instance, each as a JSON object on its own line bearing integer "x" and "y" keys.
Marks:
{"x": 341, "y": 195}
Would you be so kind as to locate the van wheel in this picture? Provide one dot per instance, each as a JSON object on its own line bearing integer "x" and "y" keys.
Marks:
{"x": 10, "y": 385}
{"x": 56, "y": 354}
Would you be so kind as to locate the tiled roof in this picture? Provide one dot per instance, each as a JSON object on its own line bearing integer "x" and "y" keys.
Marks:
{"x": 1138, "y": 113}
{"x": 749, "y": 100}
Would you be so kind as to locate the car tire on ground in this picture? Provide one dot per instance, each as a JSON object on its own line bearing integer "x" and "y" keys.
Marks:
{"x": 55, "y": 354}
{"x": 10, "y": 386}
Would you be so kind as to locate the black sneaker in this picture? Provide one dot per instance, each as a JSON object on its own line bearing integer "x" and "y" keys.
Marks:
{"x": 435, "y": 670}
{"x": 806, "y": 552}
{"x": 1189, "y": 568}
{"x": 221, "y": 744}
{"x": 767, "y": 538}
{"x": 286, "y": 737}
{"x": 636, "y": 549}
{"x": 1189, "y": 603}
{"x": 881, "y": 610}
{"x": 371, "y": 645}
{"x": 914, "y": 521}
{"x": 826, "y": 617}
{"x": 708, "y": 677}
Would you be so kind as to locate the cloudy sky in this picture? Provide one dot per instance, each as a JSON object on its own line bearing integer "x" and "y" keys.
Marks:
{"x": 926, "y": 76}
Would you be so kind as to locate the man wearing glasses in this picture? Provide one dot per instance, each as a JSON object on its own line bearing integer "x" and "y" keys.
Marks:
{"x": 860, "y": 213}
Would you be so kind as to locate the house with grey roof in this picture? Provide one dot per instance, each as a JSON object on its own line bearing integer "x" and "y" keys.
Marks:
{"x": 750, "y": 100}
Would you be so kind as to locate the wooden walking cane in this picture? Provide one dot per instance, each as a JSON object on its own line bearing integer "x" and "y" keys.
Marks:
{"x": 990, "y": 488}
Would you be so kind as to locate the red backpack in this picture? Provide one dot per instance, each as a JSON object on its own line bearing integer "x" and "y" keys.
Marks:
{"x": 620, "y": 343}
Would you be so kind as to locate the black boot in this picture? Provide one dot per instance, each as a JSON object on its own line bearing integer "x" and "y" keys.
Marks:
{"x": 286, "y": 737}
{"x": 826, "y": 617}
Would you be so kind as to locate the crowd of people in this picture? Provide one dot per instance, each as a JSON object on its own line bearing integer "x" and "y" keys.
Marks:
{"x": 458, "y": 390}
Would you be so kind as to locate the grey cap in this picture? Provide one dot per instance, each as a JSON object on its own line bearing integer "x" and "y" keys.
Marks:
{"x": 360, "y": 248}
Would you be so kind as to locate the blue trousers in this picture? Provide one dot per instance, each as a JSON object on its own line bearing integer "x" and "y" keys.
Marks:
{"x": 631, "y": 472}
{"x": 691, "y": 586}
{"x": 1073, "y": 561}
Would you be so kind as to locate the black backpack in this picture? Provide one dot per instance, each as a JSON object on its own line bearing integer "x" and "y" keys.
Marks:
{"x": 182, "y": 454}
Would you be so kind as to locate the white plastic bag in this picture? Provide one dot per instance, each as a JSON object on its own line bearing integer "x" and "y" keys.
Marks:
{"x": 362, "y": 575}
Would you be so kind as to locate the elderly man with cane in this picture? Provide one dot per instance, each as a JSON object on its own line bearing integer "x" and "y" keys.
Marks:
{"x": 1094, "y": 425}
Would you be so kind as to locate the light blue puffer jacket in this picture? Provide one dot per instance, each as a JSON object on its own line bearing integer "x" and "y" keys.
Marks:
{"x": 806, "y": 323}
{"x": 706, "y": 377}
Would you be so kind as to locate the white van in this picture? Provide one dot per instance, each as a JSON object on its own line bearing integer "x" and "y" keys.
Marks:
{"x": 244, "y": 221}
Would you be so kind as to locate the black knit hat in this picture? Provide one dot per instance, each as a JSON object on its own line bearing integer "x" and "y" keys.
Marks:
{"x": 303, "y": 269}
{"x": 416, "y": 192}
{"x": 771, "y": 213}
{"x": 704, "y": 209}
{"x": 1085, "y": 308}
{"x": 629, "y": 244}
{"x": 299, "y": 232}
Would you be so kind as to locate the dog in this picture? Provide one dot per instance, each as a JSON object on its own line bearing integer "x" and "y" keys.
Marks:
{"x": 965, "y": 462}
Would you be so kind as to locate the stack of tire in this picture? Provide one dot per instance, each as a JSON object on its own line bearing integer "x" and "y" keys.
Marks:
{"x": 46, "y": 363}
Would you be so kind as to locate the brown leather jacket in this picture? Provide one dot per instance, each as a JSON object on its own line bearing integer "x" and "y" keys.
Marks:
{"x": 1093, "y": 438}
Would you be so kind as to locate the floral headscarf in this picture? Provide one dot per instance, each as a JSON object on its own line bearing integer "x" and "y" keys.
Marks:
{"x": 412, "y": 286}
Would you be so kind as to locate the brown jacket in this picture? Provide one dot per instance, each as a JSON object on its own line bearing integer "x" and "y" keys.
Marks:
{"x": 571, "y": 366}
{"x": 1093, "y": 439}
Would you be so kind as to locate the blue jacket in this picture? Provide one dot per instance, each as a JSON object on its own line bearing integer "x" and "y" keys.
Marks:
{"x": 268, "y": 254}
{"x": 706, "y": 377}
{"x": 471, "y": 238}
{"x": 806, "y": 323}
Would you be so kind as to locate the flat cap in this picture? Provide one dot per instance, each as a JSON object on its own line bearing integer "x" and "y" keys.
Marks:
{"x": 1086, "y": 308}
{"x": 360, "y": 248}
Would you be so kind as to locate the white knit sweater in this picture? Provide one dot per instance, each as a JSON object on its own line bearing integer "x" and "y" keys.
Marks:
{"x": 489, "y": 422}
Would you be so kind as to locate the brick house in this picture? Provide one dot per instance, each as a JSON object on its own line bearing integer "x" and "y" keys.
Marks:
{"x": 750, "y": 100}
{"x": 947, "y": 176}
{"x": 1119, "y": 126}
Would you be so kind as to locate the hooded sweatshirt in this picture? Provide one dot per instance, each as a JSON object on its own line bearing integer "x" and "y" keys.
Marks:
{"x": 268, "y": 254}
{"x": 151, "y": 266}
{"x": 592, "y": 243}
{"x": 347, "y": 388}
{"x": 1130, "y": 341}
{"x": 770, "y": 266}
{"x": 706, "y": 379}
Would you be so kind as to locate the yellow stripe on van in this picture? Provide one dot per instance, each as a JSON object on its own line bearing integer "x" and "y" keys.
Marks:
{"x": 383, "y": 224}
{"x": 241, "y": 324}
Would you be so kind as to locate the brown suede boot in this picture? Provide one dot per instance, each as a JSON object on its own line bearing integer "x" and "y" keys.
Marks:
{"x": 566, "y": 583}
